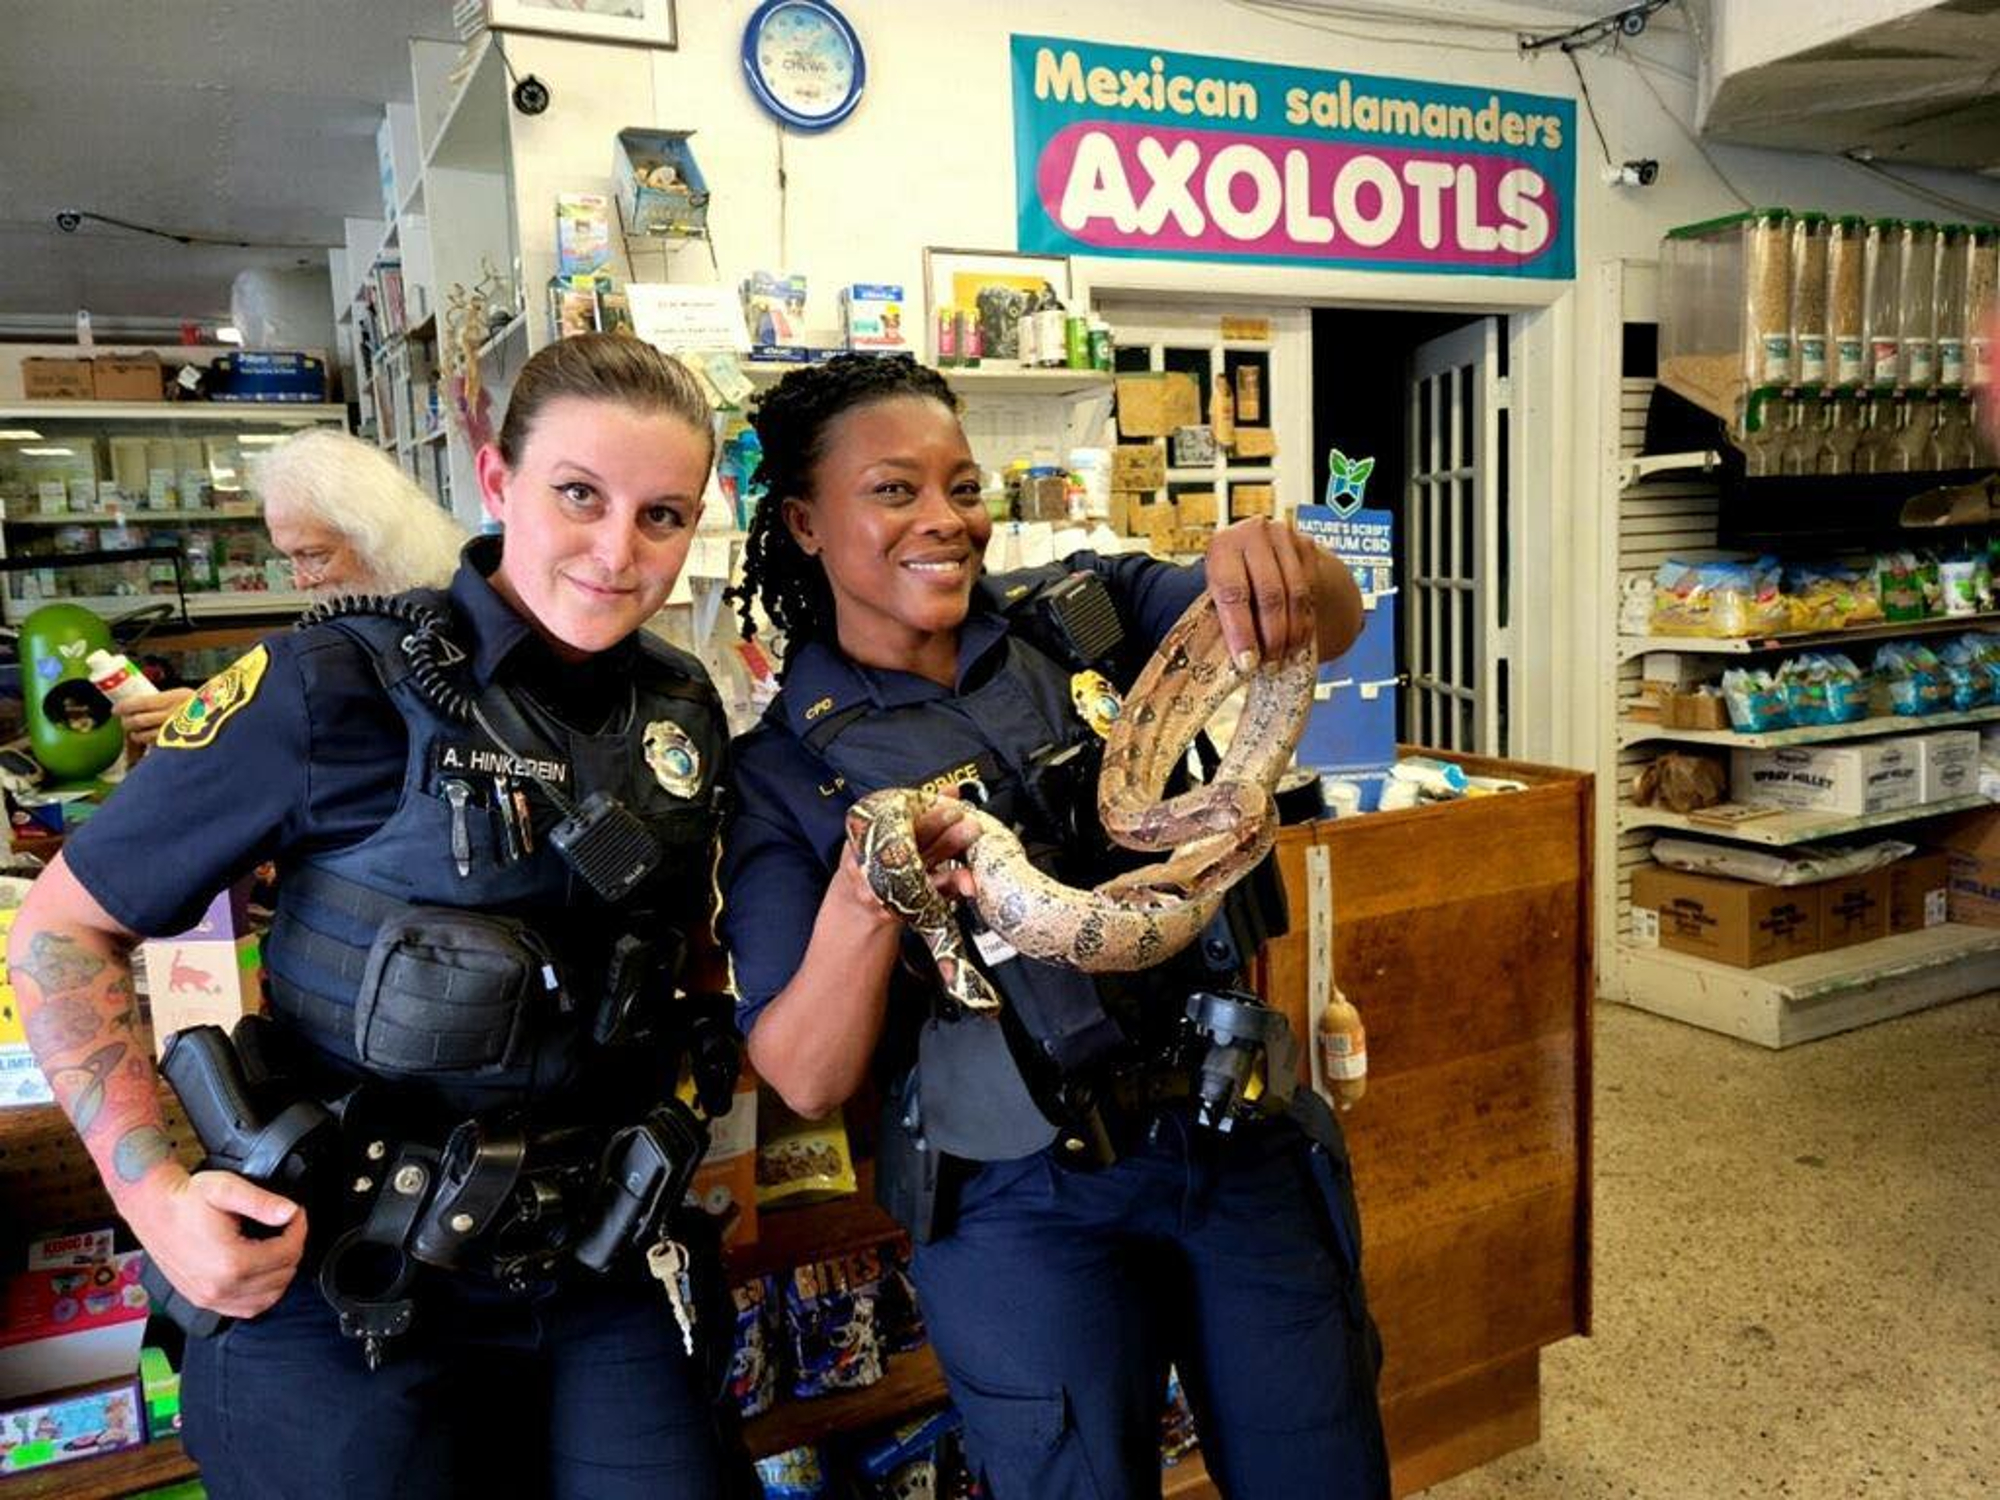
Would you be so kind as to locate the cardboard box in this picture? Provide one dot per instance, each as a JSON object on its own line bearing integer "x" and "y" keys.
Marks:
{"x": 1154, "y": 404}
{"x": 1252, "y": 500}
{"x": 212, "y": 974}
{"x": 1138, "y": 467}
{"x": 1920, "y": 892}
{"x": 1972, "y": 842}
{"x": 57, "y": 380}
{"x": 78, "y": 1424}
{"x": 128, "y": 377}
{"x": 873, "y": 316}
{"x": 1680, "y": 710}
{"x": 21, "y": 1081}
{"x": 1255, "y": 442}
{"x": 1876, "y": 776}
{"x": 1196, "y": 508}
{"x": 1948, "y": 765}
{"x": 1853, "y": 909}
{"x": 725, "y": 1184}
{"x": 1733, "y": 922}
{"x": 72, "y": 1325}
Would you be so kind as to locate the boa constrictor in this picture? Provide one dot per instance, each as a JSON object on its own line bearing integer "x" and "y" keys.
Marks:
{"x": 1216, "y": 832}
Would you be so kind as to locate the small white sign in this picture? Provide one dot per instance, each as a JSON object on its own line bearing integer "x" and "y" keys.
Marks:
{"x": 1937, "y": 908}
{"x": 687, "y": 319}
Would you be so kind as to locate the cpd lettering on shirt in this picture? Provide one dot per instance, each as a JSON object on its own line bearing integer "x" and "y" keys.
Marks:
{"x": 1119, "y": 148}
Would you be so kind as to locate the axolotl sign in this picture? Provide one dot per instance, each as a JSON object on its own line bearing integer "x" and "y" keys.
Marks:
{"x": 1128, "y": 151}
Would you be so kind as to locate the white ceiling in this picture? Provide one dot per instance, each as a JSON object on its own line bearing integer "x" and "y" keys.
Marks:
{"x": 237, "y": 119}
{"x": 255, "y": 120}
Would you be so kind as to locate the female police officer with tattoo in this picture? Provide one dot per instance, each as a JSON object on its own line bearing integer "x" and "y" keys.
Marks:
{"x": 493, "y": 811}
{"x": 1077, "y": 1228}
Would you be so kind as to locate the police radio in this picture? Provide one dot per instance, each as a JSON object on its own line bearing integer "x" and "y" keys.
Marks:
{"x": 601, "y": 839}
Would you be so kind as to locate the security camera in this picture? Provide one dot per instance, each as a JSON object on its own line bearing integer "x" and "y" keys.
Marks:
{"x": 1642, "y": 173}
{"x": 68, "y": 220}
{"x": 1633, "y": 21}
{"x": 531, "y": 95}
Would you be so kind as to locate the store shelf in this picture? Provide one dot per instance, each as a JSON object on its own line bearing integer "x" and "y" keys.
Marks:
{"x": 183, "y": 411}
{"x": 107, "y": 1477}
{"x": 972, "y": 381}
{"x": 912, "y": 1381}
{"x": 435, "y": 435}
{"x": 1783, "y": 829}
{"x": 1634, "y": 731}
{"x": 788, "y": 1237}
{"x": 516, "y": 327}
{"x": 999, "y": 382}
{"x": 1630, "y": 646}
{"x": 473, "y": 133}
{"x": 1188, "y": 1480}
{"x": 200, "y": 606}
{"x": 1806, "y": 998}
{"x": 136, "y": 516}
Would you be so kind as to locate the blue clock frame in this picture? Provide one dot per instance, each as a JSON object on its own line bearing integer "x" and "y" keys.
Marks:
{"x": 762, "y": 89}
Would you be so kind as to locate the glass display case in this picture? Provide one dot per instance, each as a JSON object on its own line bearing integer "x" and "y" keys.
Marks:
{"x": 97, "y": 477}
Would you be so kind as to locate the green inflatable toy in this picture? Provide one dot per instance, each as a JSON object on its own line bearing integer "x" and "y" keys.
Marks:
{"x": 71, "y": 728}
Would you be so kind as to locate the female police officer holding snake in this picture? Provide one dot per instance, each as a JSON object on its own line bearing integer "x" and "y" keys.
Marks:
{"x": 493, "y": 812}
{"x": 1076, "y": 1229}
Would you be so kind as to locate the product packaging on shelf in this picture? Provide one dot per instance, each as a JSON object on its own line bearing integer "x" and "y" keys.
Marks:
{"x": 1920, "y": 892}
{"x": 871, "y": 315}
{"x": 1853, "y": 909}
{"x": 77, "y": 1424}
{"x": 1733, "y": 922}
{"x": 1858, "y": 780}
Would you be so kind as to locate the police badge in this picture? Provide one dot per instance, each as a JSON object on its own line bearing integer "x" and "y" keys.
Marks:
{"x": 675, "y": 761}
{"x": 1097, "y": 701}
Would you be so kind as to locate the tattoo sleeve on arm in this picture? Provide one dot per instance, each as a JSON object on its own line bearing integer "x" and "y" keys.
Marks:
{"x": 81, "y": 1019}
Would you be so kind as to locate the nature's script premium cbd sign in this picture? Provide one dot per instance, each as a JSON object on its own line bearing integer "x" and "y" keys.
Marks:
{"x": 1127, "y": 151}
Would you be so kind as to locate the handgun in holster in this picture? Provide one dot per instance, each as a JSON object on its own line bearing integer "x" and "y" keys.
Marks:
{"x": 645, "y": 1176}
{"x": 280, "y": 1153}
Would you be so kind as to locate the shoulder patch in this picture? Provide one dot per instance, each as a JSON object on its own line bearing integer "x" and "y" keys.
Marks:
{"x": 203, "y": 715}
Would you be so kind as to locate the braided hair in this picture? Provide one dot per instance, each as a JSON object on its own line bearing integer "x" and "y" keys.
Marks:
{"x": 792, "y": 420}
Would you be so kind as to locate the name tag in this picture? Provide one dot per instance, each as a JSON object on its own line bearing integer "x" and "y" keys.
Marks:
{"x": 465, "y": 759}
{"x": 993, "y": 948}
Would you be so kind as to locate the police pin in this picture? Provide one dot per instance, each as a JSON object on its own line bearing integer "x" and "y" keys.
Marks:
{"x": 1097, "y": 701}
{"x": 672, "y": 755}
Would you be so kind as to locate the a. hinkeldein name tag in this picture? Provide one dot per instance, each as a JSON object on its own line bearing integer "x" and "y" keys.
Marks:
{"x": 463, "y": 758}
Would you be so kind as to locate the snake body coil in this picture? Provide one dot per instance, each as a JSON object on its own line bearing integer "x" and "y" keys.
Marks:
{"x": 1216, "y": 832}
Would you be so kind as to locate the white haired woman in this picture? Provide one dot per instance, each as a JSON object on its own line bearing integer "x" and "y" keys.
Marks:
{"x": 349, "y": 522}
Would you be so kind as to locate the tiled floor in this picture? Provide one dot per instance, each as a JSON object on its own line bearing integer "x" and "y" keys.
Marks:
{"x": 1797, "y": 1271}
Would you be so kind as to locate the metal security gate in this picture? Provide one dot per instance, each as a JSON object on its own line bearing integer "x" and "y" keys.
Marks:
{"x": 1456, "y": 626}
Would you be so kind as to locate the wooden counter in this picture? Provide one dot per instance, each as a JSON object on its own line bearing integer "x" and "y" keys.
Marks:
{"x": 1463, "y": 934}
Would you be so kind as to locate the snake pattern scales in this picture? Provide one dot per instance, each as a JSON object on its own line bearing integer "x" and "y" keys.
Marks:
{"x": 1216, "y": 833}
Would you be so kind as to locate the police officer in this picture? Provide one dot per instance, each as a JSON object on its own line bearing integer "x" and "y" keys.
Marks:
{"x": 1077, "y": 1227}
{"x": 493, "y": 811}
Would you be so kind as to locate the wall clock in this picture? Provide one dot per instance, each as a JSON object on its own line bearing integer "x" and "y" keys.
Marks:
{"x": 804, "y": 62}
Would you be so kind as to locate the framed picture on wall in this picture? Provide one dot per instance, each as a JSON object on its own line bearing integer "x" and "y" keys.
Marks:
{"x": 995, "y": 287}
{"x": 638, "y": 23}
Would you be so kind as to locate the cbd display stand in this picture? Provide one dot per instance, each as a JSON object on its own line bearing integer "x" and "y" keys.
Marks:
{"x": 1463, "y": 933}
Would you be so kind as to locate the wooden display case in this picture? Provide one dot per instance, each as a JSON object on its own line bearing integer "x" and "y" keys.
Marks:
{"x": 1463, "y": 933}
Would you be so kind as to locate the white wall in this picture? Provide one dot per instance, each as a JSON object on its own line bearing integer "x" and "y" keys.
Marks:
{"x": 928, "y": 159}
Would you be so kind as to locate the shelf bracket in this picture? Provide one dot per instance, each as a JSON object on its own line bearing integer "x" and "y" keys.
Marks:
{"x": 1632, "y": 470}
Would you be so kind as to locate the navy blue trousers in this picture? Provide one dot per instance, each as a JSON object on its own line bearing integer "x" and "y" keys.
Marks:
{"x": 1059, "y": 1298}
{"x": 582, "y": 1392}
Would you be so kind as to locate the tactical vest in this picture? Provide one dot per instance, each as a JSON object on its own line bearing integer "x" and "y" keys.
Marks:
{"x": 1017, "y": 743}
{"x": 453, "y": 950}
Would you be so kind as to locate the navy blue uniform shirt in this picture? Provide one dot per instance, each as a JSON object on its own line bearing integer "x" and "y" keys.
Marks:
{"x": 788, "y": 825}
{"x": 313, "y": 759}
